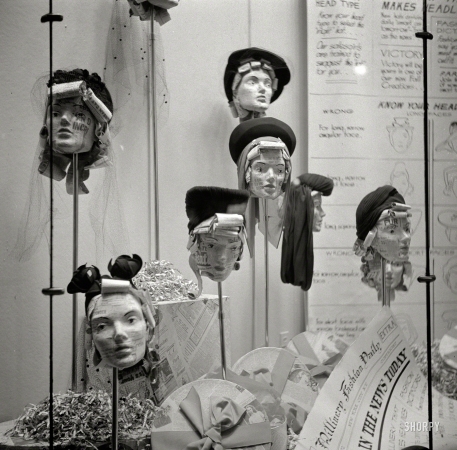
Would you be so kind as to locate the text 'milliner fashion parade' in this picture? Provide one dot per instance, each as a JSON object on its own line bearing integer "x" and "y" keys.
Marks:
{"x": 253, "y": 79}
{"x": 262, "y": 149}
{"x": 82, "y": 110}
{"x": 217, "y": 231}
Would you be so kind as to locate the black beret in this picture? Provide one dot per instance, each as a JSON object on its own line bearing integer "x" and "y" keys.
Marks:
{"x": 371, "y": 207}
{"x": 92, "y": 80}
{"x": 317, "y": 183}
{"x": 240, "y": 57}
{"x": 252, "y": 129}
{"x": 203, "y": 202}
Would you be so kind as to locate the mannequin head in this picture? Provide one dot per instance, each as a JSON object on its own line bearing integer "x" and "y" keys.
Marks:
{"x": 267, "y": 173}
{"x": 119, "y": 329}
{"x": 393, "y": 237}
{"x": 319, "y": 213}
{"x": 73, "y": 125}
{"x": 119, "y": 317}
{"x": 253, "y": 79}
{"x": 216, "y": 231}
{"x": 261, "y": 149}
{"x": 80, "y": 102}
{"x": 217, "y": 255}
{"x": 397, "y": 274}
{"x": 254, "y": 91}
{"x": 383, "y": 225}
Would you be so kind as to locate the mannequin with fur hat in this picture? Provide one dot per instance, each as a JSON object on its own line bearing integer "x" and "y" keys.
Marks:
{"x": 216, "y": 231}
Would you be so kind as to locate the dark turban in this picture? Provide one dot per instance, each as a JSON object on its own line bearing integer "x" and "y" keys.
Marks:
{"x": 297, "y": 258}
{"x": 371, "y": 207}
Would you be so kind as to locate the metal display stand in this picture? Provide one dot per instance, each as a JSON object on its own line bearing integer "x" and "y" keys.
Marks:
{"x": 267, "y": 275}
{"x": 222, "y": 332}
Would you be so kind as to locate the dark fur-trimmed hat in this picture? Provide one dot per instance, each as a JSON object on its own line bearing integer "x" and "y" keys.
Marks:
{"x": 203, "y": 202}
{"x": 240, "y": 57}
{"x": 247, "y": 131}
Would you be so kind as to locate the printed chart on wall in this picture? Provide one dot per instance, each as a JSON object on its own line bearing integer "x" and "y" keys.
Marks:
{"x": 366, "y": 130}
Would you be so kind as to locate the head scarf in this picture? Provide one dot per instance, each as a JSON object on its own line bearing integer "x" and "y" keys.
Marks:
{"x": 297, "y": 257}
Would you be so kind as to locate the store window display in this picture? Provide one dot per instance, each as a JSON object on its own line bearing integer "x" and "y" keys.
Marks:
{"x": 253, "y": 79}
{"x": 216, "y": 231}
{"x": 304, "y": 216}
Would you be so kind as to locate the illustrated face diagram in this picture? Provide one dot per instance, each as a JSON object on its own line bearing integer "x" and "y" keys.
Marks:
{"x": 448, "y": 218}
{"x": 400, "y": 134}
{"x": 450, "y": 181}
{"x": 399, "y": 179}
{"x": 449, "y": 145}
{"x": 450, "y": 274}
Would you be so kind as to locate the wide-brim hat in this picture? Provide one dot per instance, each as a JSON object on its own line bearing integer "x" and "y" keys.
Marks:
{"x": 249, "y": 130}
{"x": 240, "y": 57}
{"x": 203, "y": 202}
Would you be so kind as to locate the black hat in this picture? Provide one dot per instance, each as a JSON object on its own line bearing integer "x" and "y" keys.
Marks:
{"x": 371, "y": 207}
{"x": 252, "y": 129}
{"x": 92, "y": 80}
{"x": 317, "y": 182}
{"x": 203, "y": 202}
{"x": 240, "y": 57}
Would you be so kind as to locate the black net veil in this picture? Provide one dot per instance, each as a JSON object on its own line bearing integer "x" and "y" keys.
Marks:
{"x": 126, "y": 71}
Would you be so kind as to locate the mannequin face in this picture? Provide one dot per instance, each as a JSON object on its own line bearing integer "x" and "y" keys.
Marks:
{"x": 217, "y": 255}
{"x": 319, "y": 213}
{"x": 268, "y": 172}
{"x": 254, "y": 92}
{"x": 73, "y": 125}
{"x": 393, "y": 238}
{"x": 119, "y": 330}
{"x": 394, "y": 273}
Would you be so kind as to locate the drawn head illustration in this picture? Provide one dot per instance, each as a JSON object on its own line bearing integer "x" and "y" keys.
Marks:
{"x": 448, "y": 218}
{"x": 450, "y": 274}
{"x": 400, "y": 134}
{"x": 399, "y": 178}
{"x": 383, "y": 225}
{"x": 450, "y": 181}
{"x": 449, "y": 145}
{"x": 253, "y": 79}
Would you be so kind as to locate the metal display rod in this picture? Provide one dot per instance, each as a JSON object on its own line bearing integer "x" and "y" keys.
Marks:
{"x": 385, "y": 290}
{"x": 51, "y": 291}
{"x": 267, "y": 275}
{"x": 427, "y": 278}
{"x": 115, "y": 410}
{"x": 75, "y": 266}
{"x": 222, "y": 331}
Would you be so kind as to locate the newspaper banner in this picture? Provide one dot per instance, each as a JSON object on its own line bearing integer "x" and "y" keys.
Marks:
{"x": 376, "y": 398}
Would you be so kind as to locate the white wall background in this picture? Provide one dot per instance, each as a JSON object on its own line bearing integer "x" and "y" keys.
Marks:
{"x": 193, "y": 150}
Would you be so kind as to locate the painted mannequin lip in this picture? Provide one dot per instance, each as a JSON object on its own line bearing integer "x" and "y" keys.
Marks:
{"x": 64, "y": 130}
{"x": 123, "y": 349}
{"x": 261, "y": 98}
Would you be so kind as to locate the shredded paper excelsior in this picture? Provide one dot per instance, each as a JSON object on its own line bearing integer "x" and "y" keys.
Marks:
{"x": 163, "y": 282}
{"x": 81, "y": 420}
{"x": 292, "y": 439}
{"x": 444, "y": 378}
